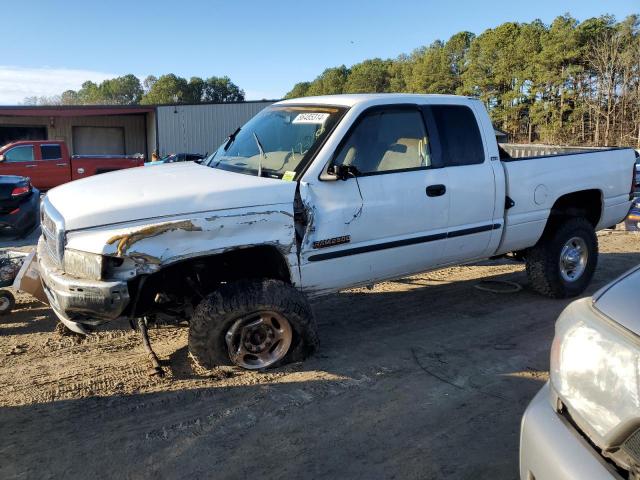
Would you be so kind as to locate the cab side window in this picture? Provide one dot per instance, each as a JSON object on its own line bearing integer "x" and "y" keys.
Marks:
{"x": 387, "y": 141}
{"x": 51, "y": 152}
{"x": 23, "y": 153}
{"x": 460, "y": 140}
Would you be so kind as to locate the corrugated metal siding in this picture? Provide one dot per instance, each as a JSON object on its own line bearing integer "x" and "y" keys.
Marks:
{"x": 134, "y": 128}
{"x": 201, "y": 128}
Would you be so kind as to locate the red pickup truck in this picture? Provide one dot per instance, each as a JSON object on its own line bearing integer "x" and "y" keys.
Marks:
{"x": 48, "y": 163}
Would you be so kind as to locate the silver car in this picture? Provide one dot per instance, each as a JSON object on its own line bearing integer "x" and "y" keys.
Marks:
{"x": 585, "y": 422}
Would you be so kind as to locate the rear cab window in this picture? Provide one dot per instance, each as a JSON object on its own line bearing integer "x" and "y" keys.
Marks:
{"x": 51, "y": 152}
{"x": 457, "y": 141}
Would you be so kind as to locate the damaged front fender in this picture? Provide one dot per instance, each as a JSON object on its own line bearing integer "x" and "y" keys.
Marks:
{"x": 146, "y": 246}
{"x": 126, "y": 240}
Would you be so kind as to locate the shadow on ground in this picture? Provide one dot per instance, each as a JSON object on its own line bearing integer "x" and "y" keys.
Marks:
{"x": 425, "y": 381}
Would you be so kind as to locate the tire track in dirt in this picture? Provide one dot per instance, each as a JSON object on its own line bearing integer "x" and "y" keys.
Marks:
{"x": 362, "y": 406}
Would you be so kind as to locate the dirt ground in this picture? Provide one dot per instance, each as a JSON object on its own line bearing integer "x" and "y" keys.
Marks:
{"x": 421, "y": 378}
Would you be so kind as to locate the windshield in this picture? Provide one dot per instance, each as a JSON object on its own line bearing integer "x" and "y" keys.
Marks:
{"x": 277, "y": 141}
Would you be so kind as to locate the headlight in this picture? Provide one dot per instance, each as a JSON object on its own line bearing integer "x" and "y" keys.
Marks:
{"x": 594, "y": 369}
{"x": 83, "y": 264}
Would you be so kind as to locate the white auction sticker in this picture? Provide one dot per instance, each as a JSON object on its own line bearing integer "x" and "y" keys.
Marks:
{"x": 318, "y": 118}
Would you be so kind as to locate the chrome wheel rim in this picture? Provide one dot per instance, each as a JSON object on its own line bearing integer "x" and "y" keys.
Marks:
{"x": 259, "y": 340}
{"x": 573, "y": 259}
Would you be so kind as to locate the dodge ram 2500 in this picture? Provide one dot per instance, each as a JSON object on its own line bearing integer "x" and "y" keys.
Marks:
{"x": 312, "y": 196}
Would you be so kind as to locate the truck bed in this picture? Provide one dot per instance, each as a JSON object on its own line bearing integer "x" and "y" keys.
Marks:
{"x": 512, "y": 152}
{"x": 534, "y": 183}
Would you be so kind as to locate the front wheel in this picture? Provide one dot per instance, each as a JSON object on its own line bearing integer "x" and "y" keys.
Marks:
{"x": 252, "y": 324}
{"x": 563, "y": 262}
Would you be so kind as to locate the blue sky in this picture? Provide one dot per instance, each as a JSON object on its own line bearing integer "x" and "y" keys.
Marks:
{"x": 264, "y": 46}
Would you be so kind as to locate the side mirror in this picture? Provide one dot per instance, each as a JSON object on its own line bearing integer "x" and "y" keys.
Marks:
{"x": 1, "y": 157}
{"x": 340, "y": 172}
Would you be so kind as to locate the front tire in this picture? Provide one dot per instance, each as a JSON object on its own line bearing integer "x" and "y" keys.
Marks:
{"x": 254, "y": 324}
{"x": 563, "y": 262}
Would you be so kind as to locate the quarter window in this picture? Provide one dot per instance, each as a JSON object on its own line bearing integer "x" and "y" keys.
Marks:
{"x": 387, "y": 141}
{"x": 19, "y": 154}
{"x": 460, "y": 141}
{"x": 51, "y": 152}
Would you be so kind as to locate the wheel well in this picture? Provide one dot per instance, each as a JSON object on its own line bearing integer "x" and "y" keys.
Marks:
{"x": 585, "y": 203}
{"x": 201, "y": 275}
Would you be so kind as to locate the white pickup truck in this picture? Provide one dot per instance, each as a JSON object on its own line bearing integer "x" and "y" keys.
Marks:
{"x": 312, "y": 196}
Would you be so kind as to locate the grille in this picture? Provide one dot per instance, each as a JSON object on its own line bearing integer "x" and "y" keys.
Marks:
{"x": 631, "y": 446}
{"x": 52, "y": 231}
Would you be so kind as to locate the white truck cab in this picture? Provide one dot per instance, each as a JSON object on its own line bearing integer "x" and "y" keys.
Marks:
{"x": 312, "y": 196}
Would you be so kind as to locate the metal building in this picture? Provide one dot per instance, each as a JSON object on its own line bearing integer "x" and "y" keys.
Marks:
{"x": 87, "y": 130}
{"x": 128, "y": 129}
{"x": 201, "y": 128}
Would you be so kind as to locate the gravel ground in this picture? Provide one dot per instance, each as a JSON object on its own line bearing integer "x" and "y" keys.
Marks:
{"x": 425, "y": 377}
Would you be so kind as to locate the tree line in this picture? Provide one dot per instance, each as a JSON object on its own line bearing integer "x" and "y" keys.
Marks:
{"x": 129, "y": 90}
{"x": 569, "y": 82}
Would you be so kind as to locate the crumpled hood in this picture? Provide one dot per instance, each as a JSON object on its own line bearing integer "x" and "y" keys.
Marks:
{"x": 620, "y": 300}
{"x": 161, "y": 191}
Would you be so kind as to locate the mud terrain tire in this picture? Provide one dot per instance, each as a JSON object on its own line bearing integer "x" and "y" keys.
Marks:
{"x": 220, "y": 310}
{"x": 544, "y": 260}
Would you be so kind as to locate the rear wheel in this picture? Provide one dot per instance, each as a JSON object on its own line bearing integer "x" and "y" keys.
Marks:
{"x": 252, "y": 324}
{"x": 563, "y": 262}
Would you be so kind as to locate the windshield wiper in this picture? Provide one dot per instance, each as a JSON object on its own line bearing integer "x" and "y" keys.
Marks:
{"x": 230, "y": 139}
{"x": 262, "y": 154}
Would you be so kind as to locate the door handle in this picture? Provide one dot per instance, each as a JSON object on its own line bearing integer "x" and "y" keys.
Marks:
{"x": 436, "y": 190}
{"x": 30, "y": 166}
{"x": 61, "y": 164}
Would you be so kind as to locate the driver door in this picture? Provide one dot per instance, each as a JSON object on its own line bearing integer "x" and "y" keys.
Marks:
{"x": 387, "y": 221}
{"x": 21, "y": 160}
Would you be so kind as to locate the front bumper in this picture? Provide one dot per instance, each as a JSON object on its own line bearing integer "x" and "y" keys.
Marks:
{"x": 550, "y": 448}
{"x": 79, "y": 303}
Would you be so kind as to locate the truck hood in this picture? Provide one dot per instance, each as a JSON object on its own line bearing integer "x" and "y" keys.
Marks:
{"x": 161, "y": 191}
{"x": 620, "y": 300}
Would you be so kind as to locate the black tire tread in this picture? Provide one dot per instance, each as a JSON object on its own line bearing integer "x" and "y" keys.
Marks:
{"x": 543, "y": 259}
{"x": 218, "y": 310}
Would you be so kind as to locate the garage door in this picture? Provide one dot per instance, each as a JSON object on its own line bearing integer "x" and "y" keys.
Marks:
{"x": 12, "y": 134}
{"x": 98, "y": 141}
